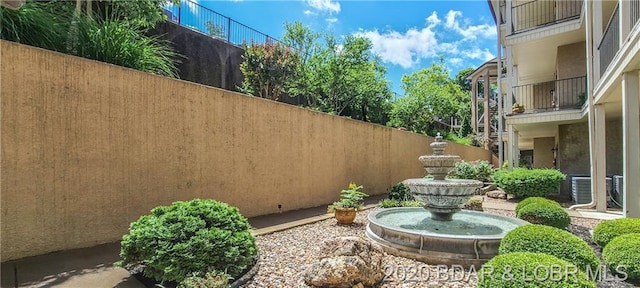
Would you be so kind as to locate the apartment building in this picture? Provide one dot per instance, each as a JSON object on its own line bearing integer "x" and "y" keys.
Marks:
{"x": 568, "y": 93}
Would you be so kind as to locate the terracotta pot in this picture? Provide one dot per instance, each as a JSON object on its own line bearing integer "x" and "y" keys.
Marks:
{"x": 345, "y": 215}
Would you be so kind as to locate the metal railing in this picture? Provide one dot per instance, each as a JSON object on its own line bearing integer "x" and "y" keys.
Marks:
{"x": 539, "y": 13}
{"x": 634, "y": 9}
{"x": 197, "y": 17}
{"x": 610, "y": 43}
{"x": 553, "y": 95}
{"x": 502, "y": 8}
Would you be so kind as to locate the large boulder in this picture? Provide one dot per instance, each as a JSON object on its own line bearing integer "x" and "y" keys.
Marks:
{"x": 347, "y": 262}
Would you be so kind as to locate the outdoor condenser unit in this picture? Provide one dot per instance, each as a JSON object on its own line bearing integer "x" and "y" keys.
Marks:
{"x": 617, "y": 188}
{"x": 581, "y": 189}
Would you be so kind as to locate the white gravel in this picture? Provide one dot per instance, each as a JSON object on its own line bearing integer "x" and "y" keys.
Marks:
{"x": 286, "y": 254}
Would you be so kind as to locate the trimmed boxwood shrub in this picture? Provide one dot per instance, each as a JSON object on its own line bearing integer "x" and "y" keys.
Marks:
{"x": 550, "y": 214}
{"x": 524, "y": 183}
{"x": 609, "y": 229}
{"x": 624, "y": 250}
{"x": 187, "y": 238}
{"x": 552, "y": 241}
{"x": 529, "y": 200}
{"x": 526, "y": 269}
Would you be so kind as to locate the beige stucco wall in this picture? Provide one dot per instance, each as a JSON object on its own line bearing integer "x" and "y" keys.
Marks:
{"x": 571, "y": 61}
{"x": 542, "y": 152}
{"x": 89, "y": 147}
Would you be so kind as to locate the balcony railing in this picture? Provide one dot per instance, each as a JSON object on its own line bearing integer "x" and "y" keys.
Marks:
{"x": 610, "y": 43}
{"x": 192, "y": 15}
{"x": 537, "y": 13}
{"x": 553, "y": 95}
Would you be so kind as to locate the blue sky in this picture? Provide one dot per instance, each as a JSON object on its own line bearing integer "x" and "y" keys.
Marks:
{"x": 407, "y": 35}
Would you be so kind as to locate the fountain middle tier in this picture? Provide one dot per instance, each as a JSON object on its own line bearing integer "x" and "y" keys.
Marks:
{"x": 442, "y": 198}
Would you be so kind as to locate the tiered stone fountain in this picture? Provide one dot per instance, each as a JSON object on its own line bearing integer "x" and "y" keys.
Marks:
{"x": 440, "y": 233}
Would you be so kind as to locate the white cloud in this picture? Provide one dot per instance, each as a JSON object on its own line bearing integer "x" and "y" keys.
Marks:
{"x": 471, "y": 31}
{"x": 309, "y": 12}
{"x": 325, "y": 5}
{"x": 404, "y": 49}
{"x": 455, "y": 61}
{"x": 433, "y": 19}
{"x": 477, "y": 53}
{"x": 192, "y": 5}
{"x": 331, "y": 20}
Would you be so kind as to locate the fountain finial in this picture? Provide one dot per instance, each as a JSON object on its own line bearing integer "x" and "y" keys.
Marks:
{"x": 438, "y": 145}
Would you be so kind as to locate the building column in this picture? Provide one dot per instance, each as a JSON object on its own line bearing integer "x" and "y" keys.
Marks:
{"x": 599, "y": 166}
{"x": 487, "y": 113}
{"x": 474, "y": 105}
{"x": 624, "y": 10}
{"x": 630, "y": 140}
{"x": 513, "y": 153}
{"x": 596, "y": 35}
{"x": 508, "y": 21}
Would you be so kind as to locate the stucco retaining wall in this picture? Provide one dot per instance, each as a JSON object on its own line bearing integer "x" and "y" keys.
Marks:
{"x": 89, "y": 147}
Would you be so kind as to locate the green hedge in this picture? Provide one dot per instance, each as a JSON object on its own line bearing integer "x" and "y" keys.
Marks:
{"x": 623, "y": 252}
{"x": 390, "y": 203}
{"x": 524, "y": 183}
{"x": 609, "y": 229}
{"x": 526, "y": 269}
{"x": 552, "y": 241}
{"x": 400, "y": 192}
{"x": 190, "y": 238}
{"x": 550, "y": 214}
{"x": 474, "y": 170}
{"x": 529, "y": 200}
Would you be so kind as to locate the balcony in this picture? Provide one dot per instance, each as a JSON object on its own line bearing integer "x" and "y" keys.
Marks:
{"x": 539, "y": 13}
{"x": 610, "y": 42}
{"x": 553, "y": 95}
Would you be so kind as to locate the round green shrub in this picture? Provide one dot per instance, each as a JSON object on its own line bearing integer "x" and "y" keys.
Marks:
{"x": 529, "y": 200}
{"x": 609, "y": 229}
{"x": 546, "y": 214}
{"x": 187, "y": 238}
{"x": 526, "y": 269}
{"x": 523, "y": 183}
{"x": 623, "y": 252}
{"x": 552, "y": 241}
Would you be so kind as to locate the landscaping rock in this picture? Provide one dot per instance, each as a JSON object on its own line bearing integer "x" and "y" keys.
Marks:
{"x": 498, "y": 194}
{"x": 347, "y": 262}
{"x": 487, "y": 187}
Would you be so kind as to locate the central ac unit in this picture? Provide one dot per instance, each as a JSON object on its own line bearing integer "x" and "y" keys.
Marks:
{"x": 581, "y": 189}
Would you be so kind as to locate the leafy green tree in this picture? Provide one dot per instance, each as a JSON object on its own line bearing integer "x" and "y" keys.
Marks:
{"x": 266, "y": 69}
{"x": 304, "y": 42}
{"x": 214, "y": 30}
{"x": 429, "y": 93}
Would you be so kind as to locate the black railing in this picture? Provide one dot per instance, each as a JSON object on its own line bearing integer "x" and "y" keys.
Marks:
{"x": 502, "y": 8}
{"x": 634, "y": 9}
{"x": 538, "y": 13}
{"x": 553, "y": 95}
{"x": 610, "y": 43}
{"x": 195, "y": 16}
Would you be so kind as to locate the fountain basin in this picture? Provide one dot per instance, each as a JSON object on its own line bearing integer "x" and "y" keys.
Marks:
{"x": 470, "y": 238}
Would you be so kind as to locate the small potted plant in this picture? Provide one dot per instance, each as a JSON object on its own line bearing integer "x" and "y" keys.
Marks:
{"x": 517, "y": 108}
{"x": 350, "y": 201}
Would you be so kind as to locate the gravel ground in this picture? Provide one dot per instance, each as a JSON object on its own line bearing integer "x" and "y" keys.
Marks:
{"x": 286, "y": 254}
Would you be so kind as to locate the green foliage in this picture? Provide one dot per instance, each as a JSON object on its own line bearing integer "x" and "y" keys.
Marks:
{"x": 524, "y": 183}
{"x": 473, "y": 204}
{"x": 529, "y": 200}
{"x": 549, "y": 214}
{"x": 124, "y": 44}
{"x": 266, "y": 69}
{"x": 142, "y": 13}
{"x": 112, "y": 37}
{"x": 400, "y": 192}
{"x": 526, "y": 269}
{"x": 351, "y": 197}
{"x": 624, "y": 250}
{"x": 474, "y": 170}
{"x": 40, "y": 24}
{"x": 429, "y": 93}
{"x": 390, "y": 203}
{"x": 196, "y": 236}
{"x": 341, "y": 78}
{"x": 607, "y": 230}
{"x": 552, "y": 241}
{"x": 212, "y": 279}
